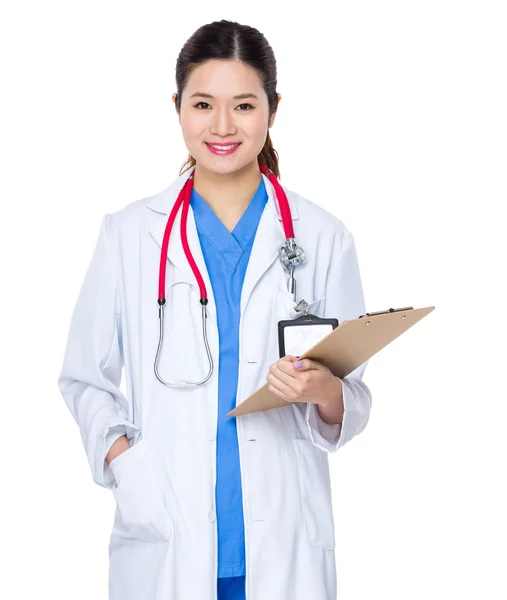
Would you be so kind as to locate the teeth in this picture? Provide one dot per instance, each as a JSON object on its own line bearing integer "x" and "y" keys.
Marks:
{"x": 224, "y": 147}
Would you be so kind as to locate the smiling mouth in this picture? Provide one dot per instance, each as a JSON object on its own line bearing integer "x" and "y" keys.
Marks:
{"x": 223, "y": 149}
{"x": 223, "y": 146}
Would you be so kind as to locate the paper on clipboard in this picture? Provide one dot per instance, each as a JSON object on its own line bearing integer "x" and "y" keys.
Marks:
{"x": 344, "y": 349}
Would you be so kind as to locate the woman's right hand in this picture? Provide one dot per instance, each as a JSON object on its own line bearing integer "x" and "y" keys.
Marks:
{"x": 119, "y": 446}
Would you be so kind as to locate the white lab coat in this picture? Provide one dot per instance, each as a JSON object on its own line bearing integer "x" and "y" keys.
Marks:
{"x": 163, "y": 541}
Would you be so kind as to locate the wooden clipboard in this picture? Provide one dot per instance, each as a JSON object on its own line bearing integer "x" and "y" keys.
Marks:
{"x": 344, "y": 349}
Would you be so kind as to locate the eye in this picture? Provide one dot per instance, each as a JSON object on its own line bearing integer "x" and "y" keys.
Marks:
{"x": 199, "y": 106}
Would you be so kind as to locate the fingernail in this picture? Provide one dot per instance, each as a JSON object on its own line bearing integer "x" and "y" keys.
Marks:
{"x": 298, "y": 364}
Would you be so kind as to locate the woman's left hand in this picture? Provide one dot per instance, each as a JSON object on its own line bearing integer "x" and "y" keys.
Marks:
{"x": 310, "y": 381}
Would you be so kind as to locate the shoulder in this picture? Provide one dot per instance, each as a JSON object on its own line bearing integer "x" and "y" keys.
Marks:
{"x": 132, "y": 212}
{"x": 323, "y": 223}
{"x": 134, "y": 215}
{"x": 139, "y": 211}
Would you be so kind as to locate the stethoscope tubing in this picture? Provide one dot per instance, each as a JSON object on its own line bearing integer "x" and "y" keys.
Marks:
{"x": 183, "y": 201}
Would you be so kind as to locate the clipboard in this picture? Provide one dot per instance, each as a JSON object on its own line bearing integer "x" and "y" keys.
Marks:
{"x": 344, "y": 349}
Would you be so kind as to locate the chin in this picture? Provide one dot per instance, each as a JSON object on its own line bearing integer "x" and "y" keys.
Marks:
{"x": 220, "y": 167}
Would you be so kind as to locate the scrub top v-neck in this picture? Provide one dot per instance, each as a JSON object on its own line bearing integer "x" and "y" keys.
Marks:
{"x": 226, "y": 255}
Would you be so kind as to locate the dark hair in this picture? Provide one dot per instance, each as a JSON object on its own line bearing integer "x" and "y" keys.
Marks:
{"x": 230, "y": 40}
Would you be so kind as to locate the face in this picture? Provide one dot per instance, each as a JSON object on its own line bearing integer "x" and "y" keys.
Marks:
{"x": 224, "y": 103}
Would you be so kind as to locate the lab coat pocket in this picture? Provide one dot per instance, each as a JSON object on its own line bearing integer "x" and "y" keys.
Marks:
{"x": 316, "y": 497}
{"x": 284, "y": 306}
{"x": 141, "y": 514}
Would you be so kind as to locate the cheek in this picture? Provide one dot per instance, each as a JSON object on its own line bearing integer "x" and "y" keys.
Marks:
{"x": 255, "y": 132}
{"x": 192, "y": 127}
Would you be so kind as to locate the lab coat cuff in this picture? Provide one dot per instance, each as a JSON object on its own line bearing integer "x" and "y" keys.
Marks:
{"x": 110, "y": 434}
{"x": 331, "y": 437}
{"x": 323, "y": 435}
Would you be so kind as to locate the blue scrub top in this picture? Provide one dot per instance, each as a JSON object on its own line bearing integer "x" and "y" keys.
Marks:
{"x": 226, "y": 255}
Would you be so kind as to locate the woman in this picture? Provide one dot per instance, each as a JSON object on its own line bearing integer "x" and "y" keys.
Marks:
{"x": 210, "y": 506}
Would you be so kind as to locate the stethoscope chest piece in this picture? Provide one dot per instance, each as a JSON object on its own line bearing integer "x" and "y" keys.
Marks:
{"x": 291, "y": 255}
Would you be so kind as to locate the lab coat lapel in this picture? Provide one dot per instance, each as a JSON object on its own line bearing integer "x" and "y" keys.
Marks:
{"x": 162, "y": 203}
{"x": 269, "y": 238}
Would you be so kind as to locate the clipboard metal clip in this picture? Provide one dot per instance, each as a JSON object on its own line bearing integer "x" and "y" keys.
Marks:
{"x": 383, "y": 312}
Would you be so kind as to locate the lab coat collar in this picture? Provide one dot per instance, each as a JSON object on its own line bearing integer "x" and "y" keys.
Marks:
{"x": 164, "y": 200}
{"x": 269, "y": 238}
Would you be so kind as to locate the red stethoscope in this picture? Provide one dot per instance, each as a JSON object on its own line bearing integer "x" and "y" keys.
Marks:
{"x": 290, "y": 255}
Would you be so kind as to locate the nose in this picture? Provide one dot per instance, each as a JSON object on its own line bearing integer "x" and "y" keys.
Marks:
{"x": 222, "y": 122}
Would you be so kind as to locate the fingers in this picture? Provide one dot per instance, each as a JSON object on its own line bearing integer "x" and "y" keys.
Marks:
{"x": 285, "y": 366}
{"x": 305, "y": 364}
{"x": 280, "y": 388}
{"x": 283, "y": 372}
{"x": 282, "y": 380}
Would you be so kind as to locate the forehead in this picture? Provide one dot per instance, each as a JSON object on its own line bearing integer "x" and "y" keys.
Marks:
{"x": 223, "y": 78}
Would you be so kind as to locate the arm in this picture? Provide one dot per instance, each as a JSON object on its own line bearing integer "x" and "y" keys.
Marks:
{"x": 91, "y": 372}
{"x": 344, "y": 300}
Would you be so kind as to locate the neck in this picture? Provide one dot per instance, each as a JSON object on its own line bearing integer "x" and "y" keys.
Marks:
{"x": 229, "y": 194}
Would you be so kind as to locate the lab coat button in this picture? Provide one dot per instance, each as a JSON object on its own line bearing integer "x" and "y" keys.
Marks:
{"x": 211, "y": 516}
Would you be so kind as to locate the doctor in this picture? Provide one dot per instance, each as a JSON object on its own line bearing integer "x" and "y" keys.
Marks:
{"x": 210, "y": 507}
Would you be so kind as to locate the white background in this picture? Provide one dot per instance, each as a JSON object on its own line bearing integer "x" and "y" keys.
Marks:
{"x": 393, "y": 117}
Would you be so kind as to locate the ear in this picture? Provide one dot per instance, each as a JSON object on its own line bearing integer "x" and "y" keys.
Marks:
{"x": 177, "y": 111}
{"x": 174, "y": 100}
{"x": 272, "y": 117}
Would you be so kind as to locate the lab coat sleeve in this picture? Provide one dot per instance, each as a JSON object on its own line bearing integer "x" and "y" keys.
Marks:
{"x": 112, "y": 435}
{"x": 92, "y": 367}
{"x": 344, "y": 300}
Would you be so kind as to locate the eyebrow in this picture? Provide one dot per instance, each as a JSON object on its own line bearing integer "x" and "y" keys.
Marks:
{"x": 238, "y": 97}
